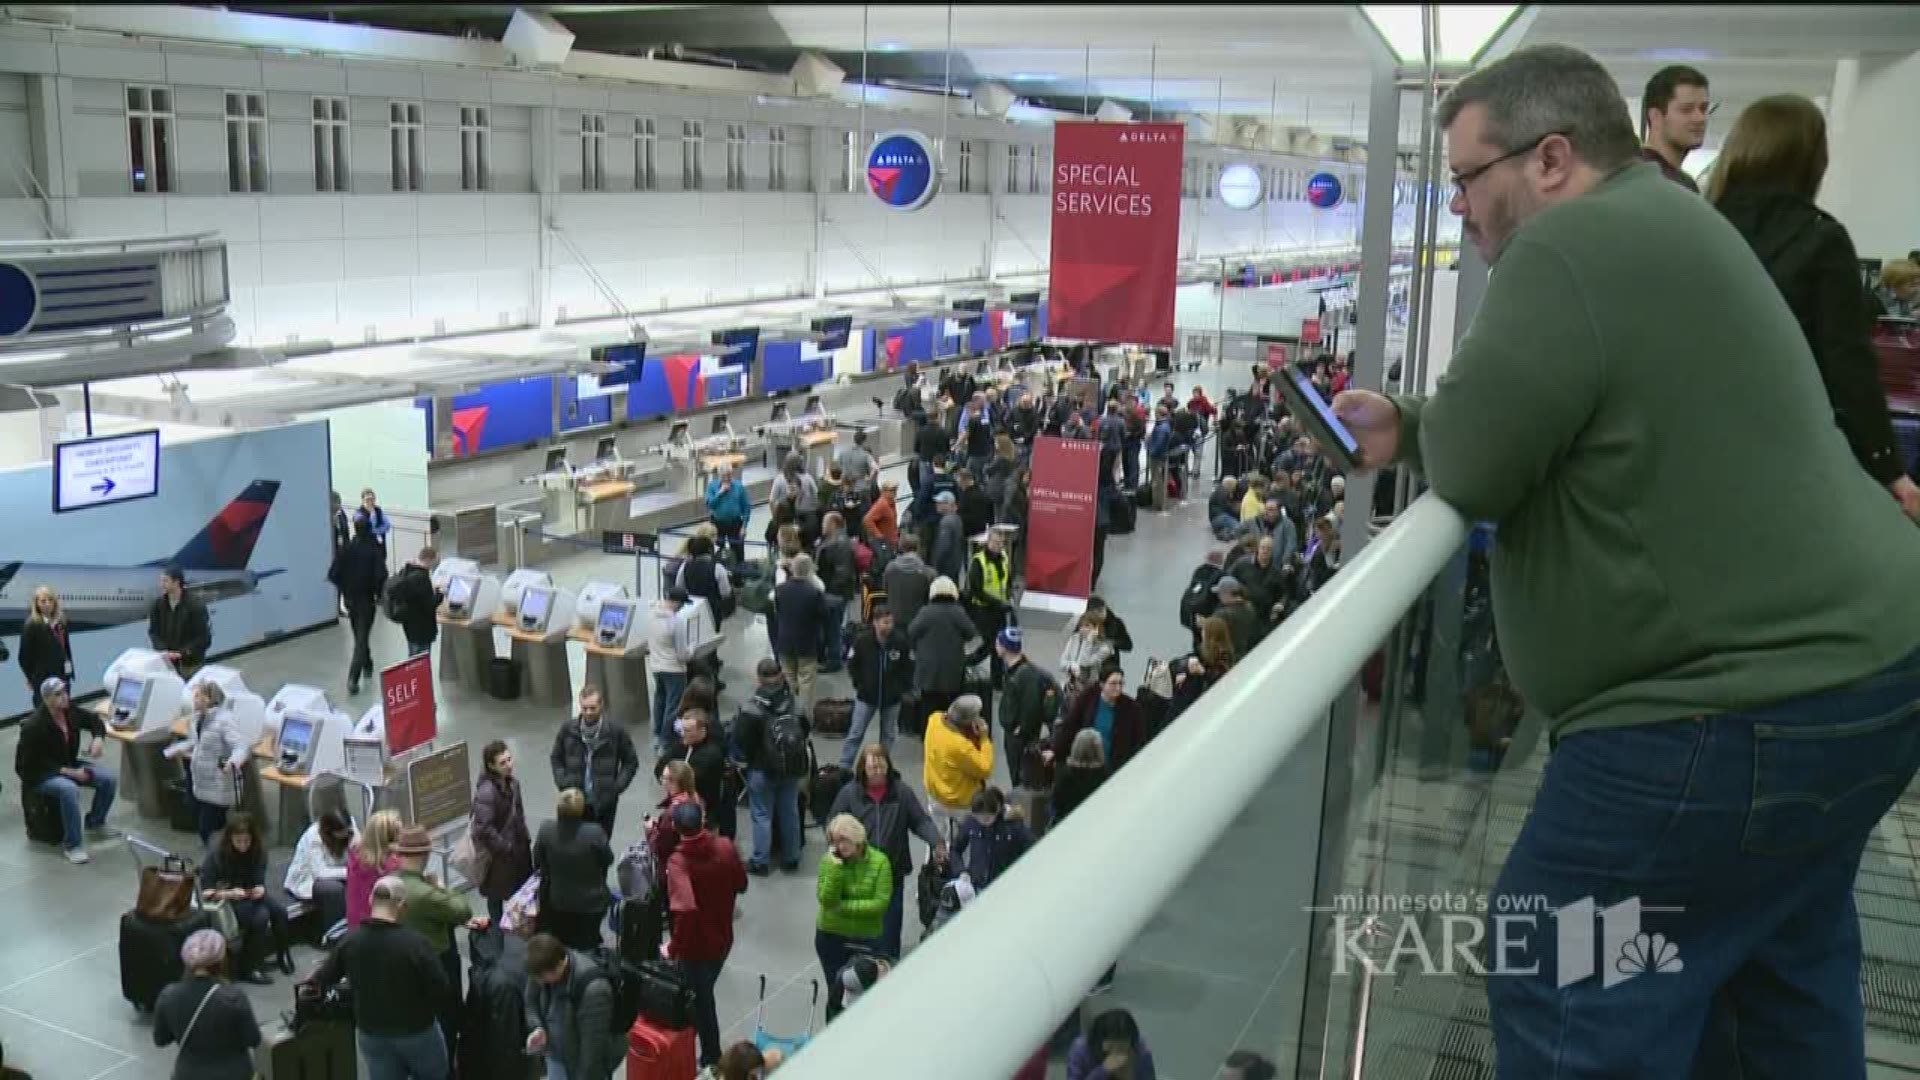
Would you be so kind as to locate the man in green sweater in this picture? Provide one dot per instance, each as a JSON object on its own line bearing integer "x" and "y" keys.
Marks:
{"x": 1693, "y": 581}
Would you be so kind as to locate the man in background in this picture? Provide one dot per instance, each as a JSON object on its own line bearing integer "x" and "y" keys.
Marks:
{"x": 1673, "y": 120}
{"x": 177, "y": 624}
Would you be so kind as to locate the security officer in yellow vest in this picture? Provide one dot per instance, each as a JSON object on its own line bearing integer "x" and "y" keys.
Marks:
{"x": 989, "y": 591}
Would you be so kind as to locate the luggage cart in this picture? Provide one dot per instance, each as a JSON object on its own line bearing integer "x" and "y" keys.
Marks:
{"x": 789, "y": 1045}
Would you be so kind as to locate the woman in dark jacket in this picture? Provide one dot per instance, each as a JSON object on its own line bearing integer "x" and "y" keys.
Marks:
{"x": 1106, "y": 709}
{"x": 235, "y": 871}
{"x": 1196, "y": 674}
{"x": 210, "y": 1019}
{"x": 359, "y": 571}
{"x": 572, "y": 856}
{"x": 46, "y": 647}
{"x": 1764, "y": 182}
{"x": 944, "y": 644}
{"x": 1083, "y": 773}
{"x": 891, "y": 812}
{"x": 499, "y": 828}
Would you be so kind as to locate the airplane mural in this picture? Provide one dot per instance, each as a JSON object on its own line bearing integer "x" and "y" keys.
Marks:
{"x": 98, "y": 597}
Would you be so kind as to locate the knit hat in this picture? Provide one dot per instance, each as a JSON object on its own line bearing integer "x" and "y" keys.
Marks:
{"x": 944, "y": 497}
{"x": 688, "y": 817}
{"x": 203, "y": 949}
{"x": 413, "y": 840}
{"x": 1011, "y": 639}
{"x": 1229, "y": 583}
{"x": 943, "y": 588}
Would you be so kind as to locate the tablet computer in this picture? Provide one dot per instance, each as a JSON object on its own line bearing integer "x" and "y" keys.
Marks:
{"x": 1315, "y": 413}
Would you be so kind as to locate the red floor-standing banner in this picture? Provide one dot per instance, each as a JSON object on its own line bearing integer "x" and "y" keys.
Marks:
{"x": 1116, "y": 231}
{"x": 406, "y": 699}
{"x": 1060, "y": 516}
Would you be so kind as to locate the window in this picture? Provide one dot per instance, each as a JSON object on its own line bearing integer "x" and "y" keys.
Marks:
{"x": 1013, "y": 168}
{"x": 777, "y": 159}
{"x": 150, "y": 138}
{"x": 1039, "y": 163}
{"x": 646, "y": 175}
{"x": 246, "y": 142}
{"x": 473, "y": 147}
{"x": 403, "y": 131}
{"x": 329, "y": 144}
{"x": 593, "y": 152}
{"x": 692, "y": 170}
{"x": 965, "y": 181}
{"x": 736, "y": 157}
{"x": 849, "y": 165}
{"x": 1186, "y": 179}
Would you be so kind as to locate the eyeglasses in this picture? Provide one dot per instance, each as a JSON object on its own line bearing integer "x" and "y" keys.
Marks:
{"x": 1462, "y": 179}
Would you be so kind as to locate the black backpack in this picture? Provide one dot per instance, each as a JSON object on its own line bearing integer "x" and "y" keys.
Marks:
{"x": 398, "y": 608}
{"x": 784, "y": 745}
{"x": 1199, "y": 600}
{"x": 652, "y": 988}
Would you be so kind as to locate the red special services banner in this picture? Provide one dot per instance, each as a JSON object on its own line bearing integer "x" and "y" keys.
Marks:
{"x": 1116, "y": 231}
{"x": 406, "y": 699}
{"x": 1060, "y": 516}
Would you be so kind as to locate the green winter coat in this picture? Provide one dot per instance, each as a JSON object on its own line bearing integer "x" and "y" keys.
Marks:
{"x": 854, "y": 895}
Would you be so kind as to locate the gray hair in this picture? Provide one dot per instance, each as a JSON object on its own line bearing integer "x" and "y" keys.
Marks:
{"x": 800, "y": 566}
{"x": 1088, "y": 749}
{"x": 964, "y": 710}
{"x": 1547, "y": 90}
{"x": 52, "y": 684}
{"x": 390, "y": 891}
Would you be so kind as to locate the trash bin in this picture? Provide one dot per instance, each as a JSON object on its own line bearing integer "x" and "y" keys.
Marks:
{"x": 503, "y": 678}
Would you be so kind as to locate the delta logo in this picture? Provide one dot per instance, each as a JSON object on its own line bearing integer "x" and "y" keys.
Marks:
{"x": 1146, "y": 137}
{"x": 900, "y": 170}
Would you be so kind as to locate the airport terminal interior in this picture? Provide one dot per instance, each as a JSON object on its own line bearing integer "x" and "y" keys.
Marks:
{"x": 538, "y": 288}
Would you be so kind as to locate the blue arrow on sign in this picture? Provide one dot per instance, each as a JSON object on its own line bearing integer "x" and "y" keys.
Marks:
{"x": 104, "y": 487}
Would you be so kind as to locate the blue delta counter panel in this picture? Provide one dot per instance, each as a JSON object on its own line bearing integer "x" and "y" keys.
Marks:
{"x": 501, "y": 415}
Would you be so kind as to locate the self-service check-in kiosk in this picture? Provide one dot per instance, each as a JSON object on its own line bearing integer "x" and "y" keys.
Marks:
{"x": 466, "y": 619}
{"x": 144, "y": 698}
{"x": 538, "y": 629}
{"x": 308, "y": 742}
{"x": 609, "y": 625}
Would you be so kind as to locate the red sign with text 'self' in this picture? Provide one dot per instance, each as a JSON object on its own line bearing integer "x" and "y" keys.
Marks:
{"x": 1116, "y": 231}
{"x": 406, "y": 699}
{"x": 1061, "y": 514}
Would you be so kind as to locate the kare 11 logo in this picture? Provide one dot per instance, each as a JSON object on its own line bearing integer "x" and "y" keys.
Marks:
{"x": 1323, "y": 190}
{"x": 901, "y": 171}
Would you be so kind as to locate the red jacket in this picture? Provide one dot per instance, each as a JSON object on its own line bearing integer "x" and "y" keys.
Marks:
{"x": 661, "y": 835}
{"x": 1198, "y": 405}
{"x": 704, "y": 877}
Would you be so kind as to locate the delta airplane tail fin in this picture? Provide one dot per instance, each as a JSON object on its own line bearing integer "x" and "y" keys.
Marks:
{"x": 7, "y": 571}
{"x": 227, "y": 541}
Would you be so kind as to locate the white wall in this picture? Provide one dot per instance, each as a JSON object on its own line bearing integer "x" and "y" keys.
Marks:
{"x": 381, "y": 446}
{"x": 374, "y": 265}
{"x": 1875, "y": 151}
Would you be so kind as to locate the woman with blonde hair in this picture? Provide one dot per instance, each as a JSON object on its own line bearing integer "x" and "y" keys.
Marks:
{"x": 854, "y": 888}
{"x": 1765, "y": 181}
{"x": 46, "y": 646}
{"x": 370, "y": 859}
{"x": 1900, "y": 289}
{"x": 572, "y": 856}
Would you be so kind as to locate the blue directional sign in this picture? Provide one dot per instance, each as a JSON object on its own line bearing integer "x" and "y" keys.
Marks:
{"x": 109, "y": 469}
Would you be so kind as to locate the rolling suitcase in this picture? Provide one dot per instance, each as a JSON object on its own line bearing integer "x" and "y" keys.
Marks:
{"x": 43, "y": 817}
{"x": 323, "y": 1050}
{"x": 150, "y": 954}
{"x": 832, "y": 717}
{"x": 658, "y": 1053}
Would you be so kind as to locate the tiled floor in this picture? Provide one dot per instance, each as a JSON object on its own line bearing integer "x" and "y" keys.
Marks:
{"x": 1198, "y": 982}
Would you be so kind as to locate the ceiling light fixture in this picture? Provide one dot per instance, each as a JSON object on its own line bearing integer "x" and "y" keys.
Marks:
{"x": 1465, "y": 30}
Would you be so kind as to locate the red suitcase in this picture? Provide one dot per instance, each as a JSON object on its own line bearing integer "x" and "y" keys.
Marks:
{"x": 657, "y": 1053}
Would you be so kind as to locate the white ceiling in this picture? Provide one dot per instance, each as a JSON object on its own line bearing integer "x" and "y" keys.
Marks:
{"x": 1306, "y": 65}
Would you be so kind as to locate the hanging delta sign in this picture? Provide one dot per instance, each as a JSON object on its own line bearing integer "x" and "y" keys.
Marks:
{"x": 1323, "y": 190}
{"x": 901, "y": 170}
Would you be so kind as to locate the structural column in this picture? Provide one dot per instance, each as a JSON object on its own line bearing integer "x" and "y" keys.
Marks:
{"x": 1874, "y": 147}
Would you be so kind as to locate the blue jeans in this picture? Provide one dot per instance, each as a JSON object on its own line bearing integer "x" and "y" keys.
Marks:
{"x": 832, "y": 658}
{"x": 1130, "y": 463}
{"x": 420, "y": 1056}
{"x": 67, "y": 793}
{"x": 1746, "y": 830}
{"x": 896, "y": 912}
{"x": 835, "y": 951}
{"x": 863, "y": 714}
{"x": 766, "y": 797}
{"x": 667, "y": 688}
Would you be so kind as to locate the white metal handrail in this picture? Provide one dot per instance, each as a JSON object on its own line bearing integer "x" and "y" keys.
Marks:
{"x": 974, "y": 1001}
{"x": 94, "y": 245}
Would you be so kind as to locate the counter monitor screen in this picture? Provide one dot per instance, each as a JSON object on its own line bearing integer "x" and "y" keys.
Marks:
{"x": 614, "y": 617}
{"x": 557, "y": 459}
{"x": 720, "y": 425}
{"x": 459, "y": 595}
{"x": 126, "y": 698}
{"x": 1024, "y": 300}
{"x": 627, "y": 359}
{"x": 607, "y": 450}
{"x": 296, "y": 742}
{"x": 977, "y": 306}
{"x": 833, "y": 331}
{"x": 535, "y": 603}
{"x": 739, "y": 347}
